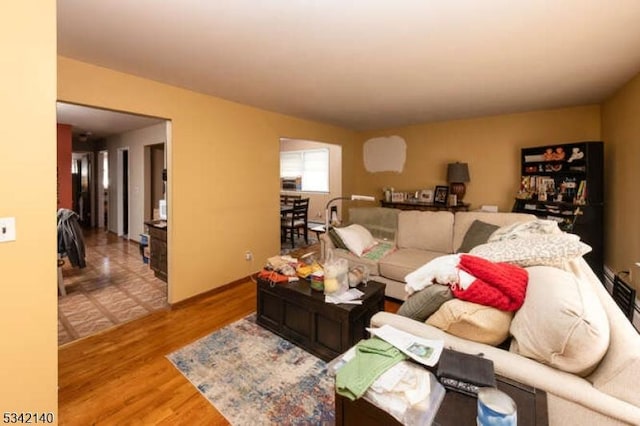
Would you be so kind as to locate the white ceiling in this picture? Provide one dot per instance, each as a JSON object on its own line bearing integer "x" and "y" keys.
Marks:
{"x": 97, "y": 123}
{"x": 367, "y": 64}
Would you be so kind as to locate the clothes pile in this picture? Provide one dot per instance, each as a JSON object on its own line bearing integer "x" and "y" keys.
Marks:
{"x": 70, "y": 238}
{"x": 474, "y": 279}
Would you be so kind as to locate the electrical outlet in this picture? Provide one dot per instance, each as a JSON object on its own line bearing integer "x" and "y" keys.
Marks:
{"x": 7, "y": 229}
{"x": 248, "y": 255}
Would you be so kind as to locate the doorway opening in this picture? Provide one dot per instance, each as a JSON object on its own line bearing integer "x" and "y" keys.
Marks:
{"x": 104, "y": 160}
{"x": 103, "y": 190}
{"x": 123, "y": 193}
{"x": 81, "y": 186}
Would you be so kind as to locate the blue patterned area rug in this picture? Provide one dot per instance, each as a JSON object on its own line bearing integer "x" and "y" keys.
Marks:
{"x": 254, "y": 377}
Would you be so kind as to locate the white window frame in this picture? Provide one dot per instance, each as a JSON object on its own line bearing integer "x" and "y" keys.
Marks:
{"x": 301, "y": 164}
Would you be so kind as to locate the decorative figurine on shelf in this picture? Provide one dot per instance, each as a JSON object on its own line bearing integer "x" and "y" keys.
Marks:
{"x": 559, "y": 154}
{"x": 548, "y": 154}
{"x": 576, "y": 154}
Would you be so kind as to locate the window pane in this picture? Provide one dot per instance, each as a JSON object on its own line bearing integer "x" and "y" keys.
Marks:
{"x": 291, "y": 164}
{"x": 316, "y": 171}
{"x": 311, "y": 165}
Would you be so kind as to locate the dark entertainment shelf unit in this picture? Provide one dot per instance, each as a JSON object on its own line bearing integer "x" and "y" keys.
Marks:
{"x": 558, "y": 184}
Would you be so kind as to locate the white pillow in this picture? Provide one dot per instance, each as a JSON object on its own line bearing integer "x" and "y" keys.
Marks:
{"x": 561, "y": 323}
{"x": 357, "y": 238}
{"x": 544, "y": 249}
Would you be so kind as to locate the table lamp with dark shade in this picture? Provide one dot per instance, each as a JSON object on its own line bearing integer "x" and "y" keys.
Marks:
{"x": 457, "y": 176}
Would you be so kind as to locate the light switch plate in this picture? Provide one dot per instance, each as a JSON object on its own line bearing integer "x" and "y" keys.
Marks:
{"x": 7, "y": 229}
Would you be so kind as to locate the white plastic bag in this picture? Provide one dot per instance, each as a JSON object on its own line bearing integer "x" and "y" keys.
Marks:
{"x": 336, "y": 280}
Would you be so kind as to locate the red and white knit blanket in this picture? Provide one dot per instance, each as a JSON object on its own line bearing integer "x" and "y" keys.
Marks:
{"x": 474, "y": 279}
{"x": 501, "y": 285}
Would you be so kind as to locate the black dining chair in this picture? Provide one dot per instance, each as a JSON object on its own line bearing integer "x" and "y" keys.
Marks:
{"x": 288, "y": 198}
{"x": 295, "y": 221}
{"x": 624, "y": 295}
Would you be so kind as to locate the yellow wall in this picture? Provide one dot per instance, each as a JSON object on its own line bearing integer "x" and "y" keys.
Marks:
{"x": 621, "y": 133}
{"x": 28, "y": 288}
{"x": 491, "y": 146}
{"x": 223, "y": 162}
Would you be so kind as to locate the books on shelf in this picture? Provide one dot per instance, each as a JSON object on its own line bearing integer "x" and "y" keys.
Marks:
{"x": 581, "y": 195}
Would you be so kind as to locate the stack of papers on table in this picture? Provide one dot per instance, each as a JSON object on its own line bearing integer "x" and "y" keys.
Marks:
{"x": 349, "y": 296}
{"x": 424, "y": 351}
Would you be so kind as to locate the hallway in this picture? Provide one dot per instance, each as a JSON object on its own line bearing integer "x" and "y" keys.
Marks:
{"x": 114, "y": 288}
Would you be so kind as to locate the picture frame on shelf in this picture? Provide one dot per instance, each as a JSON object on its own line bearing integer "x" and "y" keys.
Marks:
{"x": 426, "y": 196}
{"x": 397, "y": 197}
{"x": 441, "y": 194}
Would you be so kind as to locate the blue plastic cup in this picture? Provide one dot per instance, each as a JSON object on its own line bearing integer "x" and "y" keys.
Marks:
{"x": 496, "y": 408}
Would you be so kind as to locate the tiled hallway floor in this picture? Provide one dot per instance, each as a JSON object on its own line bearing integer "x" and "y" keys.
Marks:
{"x": 115, "y": 287}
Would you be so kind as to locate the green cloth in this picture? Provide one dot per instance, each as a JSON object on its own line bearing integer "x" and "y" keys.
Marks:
{"x": 379, "y": 251}
{"x": 373, "y": 357}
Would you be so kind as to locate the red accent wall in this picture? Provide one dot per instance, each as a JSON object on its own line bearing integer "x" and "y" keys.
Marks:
{"x": 64, "y": 167}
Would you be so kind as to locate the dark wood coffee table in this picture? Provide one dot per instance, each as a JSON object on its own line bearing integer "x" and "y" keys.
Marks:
{"x": 300, "y": 315}
{"x": 456, "y": 408}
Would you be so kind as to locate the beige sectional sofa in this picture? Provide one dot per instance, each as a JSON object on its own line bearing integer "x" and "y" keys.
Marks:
{"x": 416, "y": 236}
{"x": 607, "y": 394}
{"x": 569, "y": 338}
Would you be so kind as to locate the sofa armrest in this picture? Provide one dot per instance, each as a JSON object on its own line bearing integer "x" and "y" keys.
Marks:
{"x": 564, "y": 385}
{"x": 325, "y": 245}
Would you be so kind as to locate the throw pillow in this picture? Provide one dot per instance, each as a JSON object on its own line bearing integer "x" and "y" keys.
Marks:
{"x": 420, "y": 305}
{"x": 478, "y": 233}
{"x": 335, "y": 239}
{"x": 472, "y": 321}
{"x": 525, "y": 229}
{"x": 547, "y": 250}
{"x": 561, "y": 322}
{"x": 357, "y": 238}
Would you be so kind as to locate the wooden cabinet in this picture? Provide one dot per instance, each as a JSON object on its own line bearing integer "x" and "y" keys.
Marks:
{"x": 564, "y": 183}
{"x": 462, "y": 207}
{"x": 158, "y": 249}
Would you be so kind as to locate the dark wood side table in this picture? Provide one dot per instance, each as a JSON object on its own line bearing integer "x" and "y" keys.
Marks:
{"x": 456, "y": 408}
{"x": 462, "y": 207}
{"x": 300, "y": 315}
{"x": 158, "y": 248}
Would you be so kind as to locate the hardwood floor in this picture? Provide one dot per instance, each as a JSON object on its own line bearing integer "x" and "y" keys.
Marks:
{"x": 121, "y": 376}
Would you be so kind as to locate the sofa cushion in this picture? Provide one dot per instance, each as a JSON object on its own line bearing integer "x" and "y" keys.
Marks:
{"x": 401, "y": 262}
{"x": 425, "y": 230}
{"x": 549, "y": 250}
{"x": 382, "y": 222}
{"x": 472, "y": 321}
{"x": 561, "y": 322}
{"x": 463, "y": 221}
{"x": 478, "y": 233}
{"x": 357, "y": 238}
{"x": 425, "y": 302}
